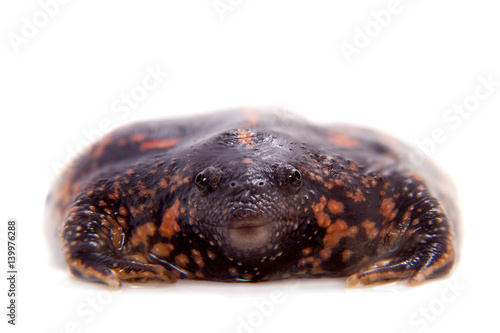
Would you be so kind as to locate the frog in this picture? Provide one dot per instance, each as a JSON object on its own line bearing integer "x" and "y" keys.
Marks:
{"x": 254, "y": 195}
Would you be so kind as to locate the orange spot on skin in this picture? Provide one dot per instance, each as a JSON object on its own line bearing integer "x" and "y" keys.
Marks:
{"x": 334, "y": 232}
{"x": 343, "y": 140}
{"x": 197, "y": 258}
{"x": 313, "y": 263}
{"x": 336, "y": 182}
{"x": 338, "y": 230}
{"x": 325, "y": 253}
{"x": 357, "y": 196}
{"x": 307, "y": 251}
{"x": 122, "y": 142}
{"x": 353, "y": 166}
{"x": 322, "y": 218}
{"x": 113, "y": 196}
{"x": 211, "y": 255}
{"x": 162, "y": 249}
{"x": 247, "y": 161}
{"x": 123, "y": 211}
{"x": 169, "y": 226}
{"x": 387, "y": 207}
{"x": 159, "y": 144}
{"x": 146, "y": 192}
{"x": 99, "y": 149}
{"x": 138, "y": 137}
{"x": 246, "y": 137}
{"x": 346, "y": 254}
{"x": 142, "y": 232}
{"x": 135, "y": 210}
{"x": 371, "y": 231}
{"x": 176, "y": 181}
{"x": 336, "y": 207}
{"x": 163, "y": 183}
{"x": 368, "y": 181}
{"x": 182, "y": 260}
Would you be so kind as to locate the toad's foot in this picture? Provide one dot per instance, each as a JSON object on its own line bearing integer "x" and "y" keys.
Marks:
{"x": 423, "y": 259}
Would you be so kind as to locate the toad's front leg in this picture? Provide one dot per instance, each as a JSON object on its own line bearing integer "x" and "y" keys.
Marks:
{"x": 95, "y": 247}
{"x": 416, "y": 244}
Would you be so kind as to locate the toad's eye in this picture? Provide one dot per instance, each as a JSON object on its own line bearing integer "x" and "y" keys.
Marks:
{"x": 201, "y": 180}
{"x": 289, "y": 178}
{"x": 207, "y": 180}
{"x": 295, "y": 178}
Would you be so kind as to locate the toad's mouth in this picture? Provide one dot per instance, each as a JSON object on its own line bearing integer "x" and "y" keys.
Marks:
{"x": 248, "y": 223}
{"x": 249, "y": 234}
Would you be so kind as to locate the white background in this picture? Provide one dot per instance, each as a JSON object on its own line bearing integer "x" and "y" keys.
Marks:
{"x": 65, "y": 79}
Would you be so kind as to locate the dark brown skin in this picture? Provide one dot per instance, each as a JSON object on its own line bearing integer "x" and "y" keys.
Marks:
{"x": 253, "y": 196}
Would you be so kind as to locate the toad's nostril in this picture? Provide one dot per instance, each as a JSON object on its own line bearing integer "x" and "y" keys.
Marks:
{"x": 249, "y": 185}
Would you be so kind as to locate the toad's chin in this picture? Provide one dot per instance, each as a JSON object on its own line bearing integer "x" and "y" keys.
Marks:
{"x": 249, "y": 235}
